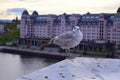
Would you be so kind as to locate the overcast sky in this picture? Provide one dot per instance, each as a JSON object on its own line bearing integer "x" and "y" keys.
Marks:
{"x": 9, "y": 9}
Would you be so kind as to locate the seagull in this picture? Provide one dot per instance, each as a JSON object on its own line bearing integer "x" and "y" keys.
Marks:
{"x": 68, "y": 39}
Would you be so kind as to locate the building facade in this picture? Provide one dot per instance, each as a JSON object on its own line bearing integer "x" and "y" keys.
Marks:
{"x": 1, "y": 28}
{"x": 95, "y": 27}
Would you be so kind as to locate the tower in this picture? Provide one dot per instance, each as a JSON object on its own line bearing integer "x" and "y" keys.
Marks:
{"x": 23, "y": 23}
{"x": 118, "y": 11}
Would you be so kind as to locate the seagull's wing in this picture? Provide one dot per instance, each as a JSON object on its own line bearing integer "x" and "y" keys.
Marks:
{"x": 64, "y": 38}
{"x": 67, "y": 35}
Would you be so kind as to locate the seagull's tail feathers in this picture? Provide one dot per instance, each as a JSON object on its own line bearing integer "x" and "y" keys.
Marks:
{"x": 51, "y": 41}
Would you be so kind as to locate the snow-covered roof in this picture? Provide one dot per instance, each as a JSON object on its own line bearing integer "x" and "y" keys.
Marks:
{"x": 79, "y": 69}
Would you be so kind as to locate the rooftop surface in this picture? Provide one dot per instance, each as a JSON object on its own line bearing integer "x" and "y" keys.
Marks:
{"x": 79, "y": 68}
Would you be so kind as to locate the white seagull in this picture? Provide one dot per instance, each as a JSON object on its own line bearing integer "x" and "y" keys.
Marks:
{"x": 69, "y": 39}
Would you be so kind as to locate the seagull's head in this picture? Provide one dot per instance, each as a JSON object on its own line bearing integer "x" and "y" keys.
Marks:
{"x": 76, "y": 28}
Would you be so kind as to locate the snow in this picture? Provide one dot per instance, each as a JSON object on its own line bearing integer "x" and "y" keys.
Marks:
{"x": 79, "y": 68}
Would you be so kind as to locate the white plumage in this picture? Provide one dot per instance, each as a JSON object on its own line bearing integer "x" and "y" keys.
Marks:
{"x": 69, "y": 39}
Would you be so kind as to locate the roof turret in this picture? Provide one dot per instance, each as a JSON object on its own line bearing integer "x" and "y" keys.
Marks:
{"x": 25, "y": 12}
{"x": 35, "y": 13}
{"x": 118, "y": 11}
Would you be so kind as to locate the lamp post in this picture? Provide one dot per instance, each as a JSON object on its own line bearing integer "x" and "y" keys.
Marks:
{"x": 84, "y": 48}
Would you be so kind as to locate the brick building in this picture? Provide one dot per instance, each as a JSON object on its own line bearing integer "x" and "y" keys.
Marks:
{"x": 100, "y": 28}
{"x": 1, "y": 28}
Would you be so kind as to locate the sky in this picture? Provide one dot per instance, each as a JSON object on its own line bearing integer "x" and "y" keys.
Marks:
{"x": 9, "y": 9}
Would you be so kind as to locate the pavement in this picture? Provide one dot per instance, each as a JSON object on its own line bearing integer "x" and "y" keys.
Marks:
{"x": 42, "y": 51}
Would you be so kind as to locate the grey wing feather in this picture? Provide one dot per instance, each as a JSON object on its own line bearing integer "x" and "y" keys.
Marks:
{"x": 67, "y": 35}
{"x": 64, "y": 38}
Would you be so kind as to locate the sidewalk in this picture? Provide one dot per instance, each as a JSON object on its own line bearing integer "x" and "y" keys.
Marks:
{"x": 51, "y": 52}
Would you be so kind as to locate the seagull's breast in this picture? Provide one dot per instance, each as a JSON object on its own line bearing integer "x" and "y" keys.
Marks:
{"x": 78, "y": 35}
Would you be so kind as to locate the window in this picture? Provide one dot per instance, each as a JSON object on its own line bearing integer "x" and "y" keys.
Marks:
{"x": 112, "y": 17}
{"x": 83, "y": 17}
{"x": 92, "y": 16}
{"x": 48, "y": 22}
{"x": 87, "y": 17}
{"x": 96, "y": 17}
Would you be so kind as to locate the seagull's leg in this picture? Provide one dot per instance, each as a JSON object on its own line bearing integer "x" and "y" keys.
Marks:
{"x": 66, "y": 50}
{"x": 69, "y": 54}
